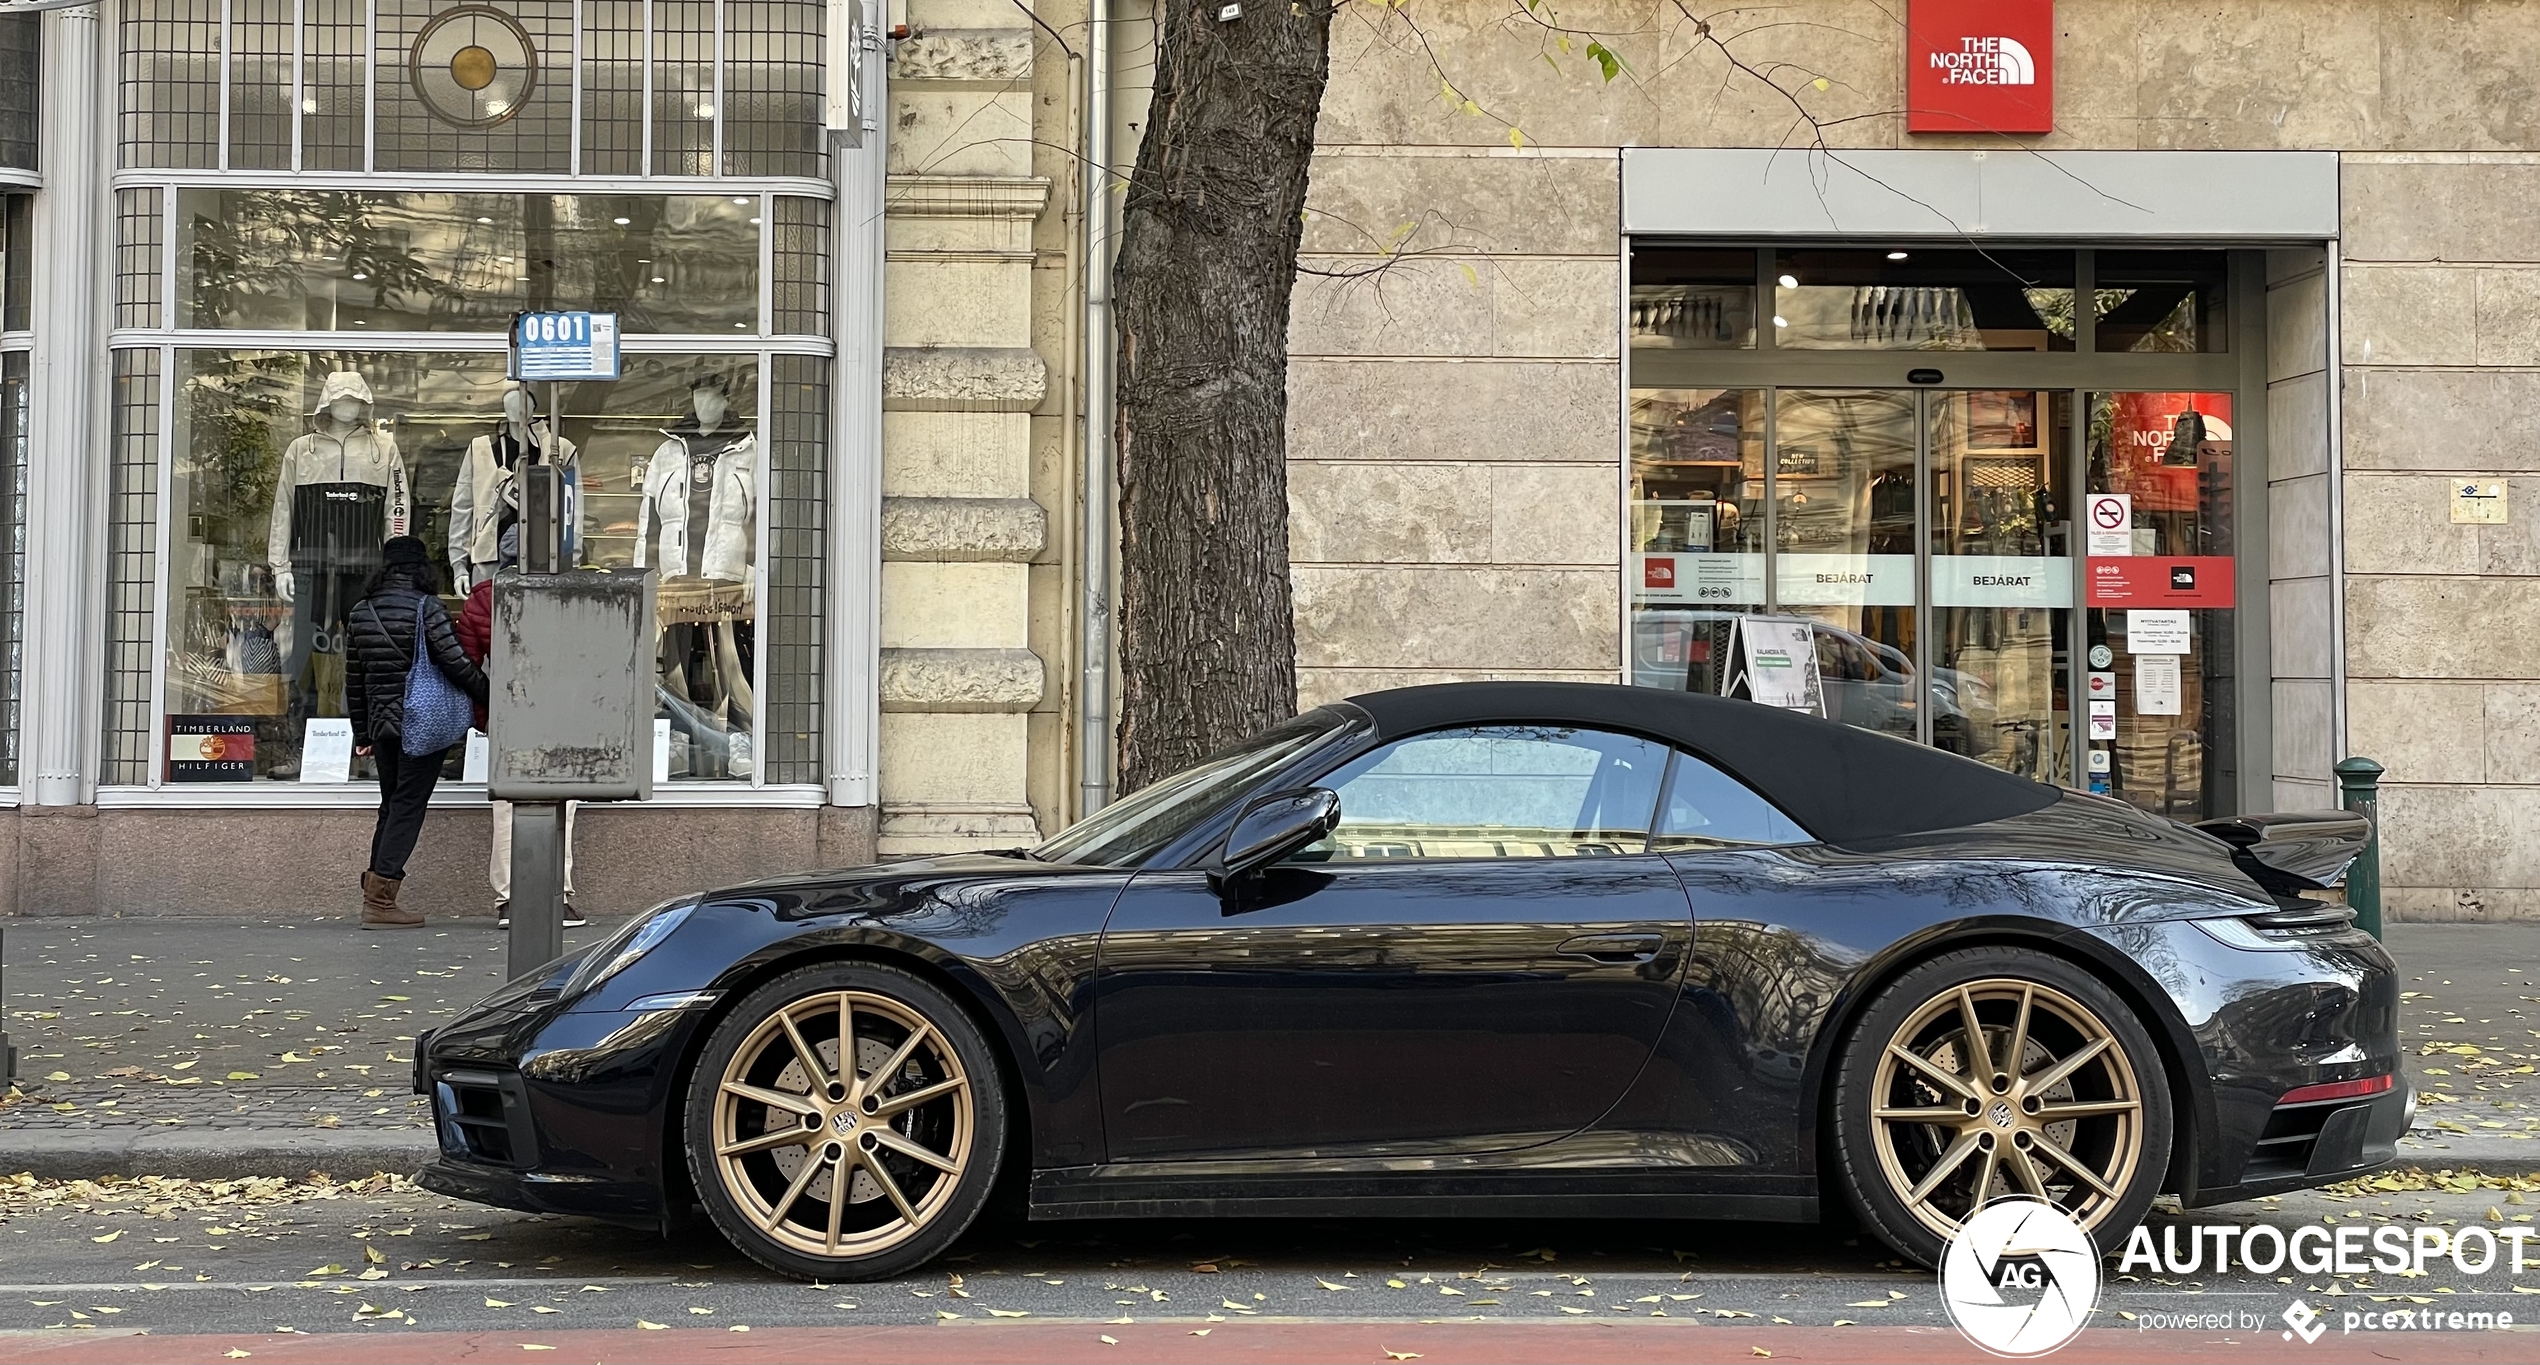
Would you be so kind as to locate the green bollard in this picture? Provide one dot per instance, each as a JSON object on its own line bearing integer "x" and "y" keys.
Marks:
{"x": 2360, "y": 781}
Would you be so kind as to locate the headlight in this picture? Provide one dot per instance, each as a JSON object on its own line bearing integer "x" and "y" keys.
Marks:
{"x": 620, "y": 950}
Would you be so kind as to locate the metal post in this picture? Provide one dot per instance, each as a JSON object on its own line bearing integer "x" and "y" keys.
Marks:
{"x": 537, "y": 934}
{"x": 2360, "y": 781}
{"x": 8, "y": 1050}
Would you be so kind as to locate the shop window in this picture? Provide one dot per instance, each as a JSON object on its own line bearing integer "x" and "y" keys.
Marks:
{"x": 1693, "y": 298}
{"x": 334, "y": 84}
{"x": 797, "y": 563}
{"x": 261, "y": 70}
{"x": 132, "y": 540}
{"x": 17, "y": 262}
{"x": 171, "y": 84}
{"x": 613, "y": 46}
{"x": 20, "y": 54}
{"x": 327, "y": 260}
{"x": 1921, "y": 299}
{"x": 2162, "y": 301}
{"x": 801, "y": 264}
{"x": 2001, "y": 578}
{"x": 772, "y": 89}
{"x": 1697, "y": 531}
{"x": 474, "y": 87}
{"x": 14, "y": 414}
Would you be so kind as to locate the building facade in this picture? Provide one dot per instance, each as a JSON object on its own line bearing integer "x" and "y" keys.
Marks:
{"x": 2174, "y": 450}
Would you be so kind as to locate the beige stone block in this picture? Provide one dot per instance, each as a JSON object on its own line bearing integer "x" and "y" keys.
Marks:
{"x": 2458, "y": 905}
{"x": 2457, "y": 74}
{"x": 1514, "y": 307}
{"x": 998, "y": 55}
{"x": 912, "y": 234}
{"x": 2426, "y": 627}
{"x": 957, "y": 303}
{"x": 1321, "y": 686}
{"x": 1384, "y": 86}
{"x": 2426, "y": 211}
{"x": 1453, "y": 410}
{"x": 1457, "y": 617}
{"x": 976, "y": 757}
{"x": 2466, "y": 421}
{"x": 1012, "y": 529}
{"x": 963, "y": 378}
{"x": 2297, "y": 328}
{"x": 955, "y": 606}
{"x": 2419, "y": 731}
{"x": 2509, "y": 316}
{"x": 2305, "y": 73}
{"x": 2410, "y": 315}
{"x": 2297, "y": 427}
{"x": 2299, "y": 642}
{"x": 2293, "y": 795}
{"x": 2511, "y": 728}
{"x": 956, "y": 454}
{"x": 1555, "y": 514}
{"x": 2297, "y": 527}
{"x": 963, "y": 14}
{"x": 2302, "y": 738}
{"x": 1484, "y": 201}
{"x": 939, "y": 129}
{"x": 2460, "y": 836}
{"x": 1763, "y": 91}
{"x": 2402, "y": 524}
{"x": 1364, "y": 513}
{"x": 960, "y": 680}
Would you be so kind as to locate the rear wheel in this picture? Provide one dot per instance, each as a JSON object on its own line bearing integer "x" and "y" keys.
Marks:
{"x": 845, "y": 1122}
{"x": 1992, "y": 1072}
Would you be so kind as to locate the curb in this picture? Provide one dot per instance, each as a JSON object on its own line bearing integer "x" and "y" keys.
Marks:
{"x": 87, "y": 1154}
{"x": 2472, "y": 1152}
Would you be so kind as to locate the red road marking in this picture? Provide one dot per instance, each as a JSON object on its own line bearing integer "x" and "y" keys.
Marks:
{"x": 1066, "y": 1342}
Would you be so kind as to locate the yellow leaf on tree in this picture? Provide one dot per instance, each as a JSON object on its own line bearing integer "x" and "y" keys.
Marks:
{"x": 1516, "y": 139}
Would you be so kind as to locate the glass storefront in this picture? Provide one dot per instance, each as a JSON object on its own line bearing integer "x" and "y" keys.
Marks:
{"x": 300, "y": 373}
{"x": 1873, "y": 541}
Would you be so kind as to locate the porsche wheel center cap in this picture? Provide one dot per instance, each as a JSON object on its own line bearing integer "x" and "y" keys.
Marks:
{"x": 843, "y": 1121}
{"x": 2001, "y": 1115}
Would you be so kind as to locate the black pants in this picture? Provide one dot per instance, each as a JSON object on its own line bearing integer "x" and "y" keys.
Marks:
{"x": 405, "y": 788}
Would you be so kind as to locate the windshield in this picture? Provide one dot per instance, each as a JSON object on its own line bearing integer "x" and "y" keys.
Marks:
{"x": 1129, "y": 831}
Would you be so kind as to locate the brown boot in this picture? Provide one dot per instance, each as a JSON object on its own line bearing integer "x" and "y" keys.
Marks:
{"x": 379, "y": 904}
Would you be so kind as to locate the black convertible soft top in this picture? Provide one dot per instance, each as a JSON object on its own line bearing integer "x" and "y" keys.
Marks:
{"x": 1842, "y": 784}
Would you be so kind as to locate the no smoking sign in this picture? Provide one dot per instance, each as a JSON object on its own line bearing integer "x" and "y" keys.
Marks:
{"x": 2111, "y": 524}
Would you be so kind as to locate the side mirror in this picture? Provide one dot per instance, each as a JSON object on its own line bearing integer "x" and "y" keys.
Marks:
{"x": 1273, "y": 827}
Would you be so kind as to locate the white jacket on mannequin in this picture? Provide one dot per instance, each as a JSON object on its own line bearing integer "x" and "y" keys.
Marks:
{"x": 484, "y": 488}
{"x": 729, "y": 535}
{"x": 363, "y": 455}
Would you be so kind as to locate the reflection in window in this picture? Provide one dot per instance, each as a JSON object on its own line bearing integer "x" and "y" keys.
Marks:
{"x": 1923, "y": 300}
{"x": 329, "y": 260}
{"x": 1707, "y": 808}
{"x": 20, "y": 51}
{"x": 17, "y": 262}
{"x": 1504, "y": 791}
{"x": 2162, "y": 301}
{"x": 13, "y": 453}
{"x": 521, "y": 123}
{"x": 171, "y": 83}
{"x": 1697, "y": 530}
{"x": 1692, "y": 298}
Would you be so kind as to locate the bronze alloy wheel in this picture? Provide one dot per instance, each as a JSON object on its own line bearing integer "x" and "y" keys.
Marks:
{"x": 1997, "y": 1087}
{"x": 843, "y": 1161}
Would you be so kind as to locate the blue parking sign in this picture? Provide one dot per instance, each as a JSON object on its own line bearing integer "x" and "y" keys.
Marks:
{"x": 564, "y": 346}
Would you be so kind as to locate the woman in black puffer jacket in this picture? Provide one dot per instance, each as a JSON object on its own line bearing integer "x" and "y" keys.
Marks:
{"x": 379, "y": 649}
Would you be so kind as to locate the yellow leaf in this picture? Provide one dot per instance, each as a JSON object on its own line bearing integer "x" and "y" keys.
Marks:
{"x": 652, "y": 1326}
{"x": 1516, "y": 139}
{"x": 1758, "y": 1349}
{"x": 1821, "y": 84}
{"x": 235, "y": 1354}
{"x": 1007, "y": 1313}
{"x": 1202, "y": 1331}
{"x": 1869, "y": 1303}
{"x": 1391, "y": 1354}
{"x": 401, "y": 999}
{"x": 186, "y": 1065}
{"x": 293, "y": 1057}
{"x": 250, "y": 1076}
{"x": 1472, "y": 108}
{"x": 1568, "y": 1309}
{"x": 497, "y": 1303}
{"x": 109, "y": 1236}
{"x": 1340, "y": 1288}
{"x": 1563, "y": 42}
{"x": 1396, "y": 1284}
{"x": 702, "y": 1312}
{"x": 1109, "y": 1341}
{"x": 528, "y": 1346}
{"x": 738, "y": 1327}
{"x": 57, "y": 1076}
{"x": 1450, "y": 1289}
{"x": 374, "y": 1273}
{"x": 945, "y": 1314}
{"x": 542, "y": 1308}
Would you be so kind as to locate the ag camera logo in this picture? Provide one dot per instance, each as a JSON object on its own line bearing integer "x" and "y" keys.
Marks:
{"x": 2020, "y": 1278}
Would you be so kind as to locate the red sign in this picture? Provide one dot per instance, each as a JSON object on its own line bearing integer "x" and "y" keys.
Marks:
{"x": 2160, "y": 581}
{"x": 1658, "y": 572}
{"x": 1980, "y": 66}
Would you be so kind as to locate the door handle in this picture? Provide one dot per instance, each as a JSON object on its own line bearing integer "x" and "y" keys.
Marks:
{"x": 1614, "y": 947}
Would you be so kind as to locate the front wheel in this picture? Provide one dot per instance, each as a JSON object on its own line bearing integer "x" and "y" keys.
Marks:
{"x": 845, "y": 1123}
{"x": 1991, "y": 1072}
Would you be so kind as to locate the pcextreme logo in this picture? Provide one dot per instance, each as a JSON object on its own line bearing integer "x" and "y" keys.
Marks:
{"x": 2020, "y": 1278}
{"x": 1986, "y": 61}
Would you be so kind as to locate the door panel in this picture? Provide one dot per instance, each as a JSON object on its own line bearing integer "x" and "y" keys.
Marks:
{"x": 1383, "y": 1007}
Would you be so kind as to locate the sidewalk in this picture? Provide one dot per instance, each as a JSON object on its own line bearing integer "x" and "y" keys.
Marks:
{"x": 207, "y": 1048}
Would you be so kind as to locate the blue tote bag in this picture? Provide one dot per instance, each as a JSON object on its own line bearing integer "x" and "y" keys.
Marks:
{"x": 437, "y": 713}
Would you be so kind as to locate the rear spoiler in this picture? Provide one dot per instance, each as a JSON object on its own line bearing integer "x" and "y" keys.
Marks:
{"x": 2289, "y": 852}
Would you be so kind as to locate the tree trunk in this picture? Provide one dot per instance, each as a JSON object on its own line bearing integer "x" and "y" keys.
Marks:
{"x": 1209, "y": 234}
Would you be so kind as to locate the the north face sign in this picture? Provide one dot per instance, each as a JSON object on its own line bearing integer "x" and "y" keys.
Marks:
{"x": 1980, "y": 66}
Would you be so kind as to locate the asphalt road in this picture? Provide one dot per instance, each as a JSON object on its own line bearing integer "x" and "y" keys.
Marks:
{"x": 179, "y": 1260}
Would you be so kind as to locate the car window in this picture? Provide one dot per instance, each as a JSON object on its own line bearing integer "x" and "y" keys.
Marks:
{"x": 1498, "y": 791}
{"x": 1707, "y": 808}
{"x": 1129, "y": 831}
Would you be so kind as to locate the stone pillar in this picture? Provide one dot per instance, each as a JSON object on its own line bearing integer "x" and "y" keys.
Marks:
{"x": 960, "y": 379}
{"x": 66, "y": 462}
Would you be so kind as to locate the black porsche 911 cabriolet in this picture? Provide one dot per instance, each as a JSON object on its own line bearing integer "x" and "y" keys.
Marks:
{"x": 1489, "y": 948}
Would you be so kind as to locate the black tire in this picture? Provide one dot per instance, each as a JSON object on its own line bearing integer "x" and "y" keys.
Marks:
{"x": 2119, "y": 1089}
{"x": 962, "y": 1121}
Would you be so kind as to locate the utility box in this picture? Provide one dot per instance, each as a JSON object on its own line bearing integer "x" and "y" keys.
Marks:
{"x": 572, "y": 703}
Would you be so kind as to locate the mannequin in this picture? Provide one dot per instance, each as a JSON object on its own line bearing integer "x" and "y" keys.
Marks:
{"x": 698, "y": 522}
{"x": 485, "y": 486}
{"x": 340, "y": 494}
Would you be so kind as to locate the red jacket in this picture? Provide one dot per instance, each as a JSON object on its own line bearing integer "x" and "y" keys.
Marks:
{"x": 476, "y": 631}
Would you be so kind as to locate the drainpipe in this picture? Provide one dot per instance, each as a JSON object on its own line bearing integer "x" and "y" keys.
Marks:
{"x": 1072, "y": 441}
{"x": 1093, "y": 623}
{"x": 2336, "y": 380}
